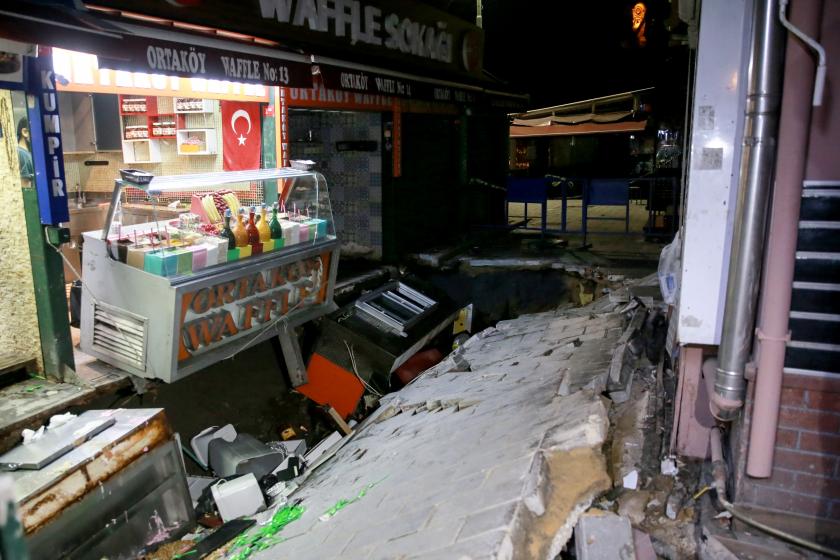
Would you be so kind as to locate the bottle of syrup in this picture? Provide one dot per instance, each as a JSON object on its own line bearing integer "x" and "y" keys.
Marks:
{"x": 227, "y": 233}
{"x": 274, "y": 224}
{"x": 251, "y": 228}
{"x": 239, "y": 231}
{"x": 263, "y": 227}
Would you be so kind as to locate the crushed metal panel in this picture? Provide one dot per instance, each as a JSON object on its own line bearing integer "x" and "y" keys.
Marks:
{"x": 53, "y": 444}
{"x": 46, "y": 493}
{"x": 713, "y": 173}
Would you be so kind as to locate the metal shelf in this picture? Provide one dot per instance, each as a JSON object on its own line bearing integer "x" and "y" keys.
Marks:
{"x": 178, "y": 183}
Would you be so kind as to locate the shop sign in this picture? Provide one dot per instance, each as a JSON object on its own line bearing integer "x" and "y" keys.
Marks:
{"x": 322, "y": 97}
{"x": 231, "y": 311}
{"x": 190, "y": 61}
{"x": 393, "y": 30}
{"x": 45, "y": 131}
{"x": 284, "y": 126}
{"x": 370, "y": 83}
{"x": 396, "y": 142}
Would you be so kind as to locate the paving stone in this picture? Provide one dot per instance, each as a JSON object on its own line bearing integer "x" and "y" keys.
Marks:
{"x": 418, "y": 543}
{"x": 601, "y": 535}
{"x": 394, "y": 527}
{"x": 494, "y": 545}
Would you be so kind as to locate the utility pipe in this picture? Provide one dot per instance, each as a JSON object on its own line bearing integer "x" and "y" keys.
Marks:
{"x": 719, "y": 484}
{"x": 755, "y": 182}
{"x": 822, "y": 68}
{"x": 794, "y": 128}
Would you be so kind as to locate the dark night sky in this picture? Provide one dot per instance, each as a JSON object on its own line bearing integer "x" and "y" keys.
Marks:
{"x": 566, "y": 50}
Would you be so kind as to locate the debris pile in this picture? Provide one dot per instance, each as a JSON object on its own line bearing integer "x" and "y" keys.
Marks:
{"x": 499, "y": 450}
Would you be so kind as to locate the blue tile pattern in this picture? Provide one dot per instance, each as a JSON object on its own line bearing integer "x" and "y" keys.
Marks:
{"x": 355, "y": 178}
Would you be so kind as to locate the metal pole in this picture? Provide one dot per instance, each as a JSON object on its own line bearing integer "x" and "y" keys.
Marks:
{"x": 755, "y": 185}
{"x": 479, "y": 19}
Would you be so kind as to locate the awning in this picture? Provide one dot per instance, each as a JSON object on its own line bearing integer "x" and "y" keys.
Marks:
{"x": 176, "y": 53}
{"x": 359, "y": 78}
{"x": 575, "y": 119}
{"x": 576, "y": 130}
{"x": 153, "y": 50}
{"x": 154, "y": 46}
{"x": 57, "y": 26}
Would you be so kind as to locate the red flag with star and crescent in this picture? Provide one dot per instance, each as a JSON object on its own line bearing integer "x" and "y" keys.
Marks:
{"x": 241, "y": 135}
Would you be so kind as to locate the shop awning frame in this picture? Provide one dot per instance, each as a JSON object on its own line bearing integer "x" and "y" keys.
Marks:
{"x": 197, "y": 38}
{"x": 319, "y": 61}
{"x": 577, "y": 129}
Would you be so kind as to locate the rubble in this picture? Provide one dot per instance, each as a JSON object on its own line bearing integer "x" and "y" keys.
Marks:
{"x": 494, "y": 452}
{"x": 498, "y": 451}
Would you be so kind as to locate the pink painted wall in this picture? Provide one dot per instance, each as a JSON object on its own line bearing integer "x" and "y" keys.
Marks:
{"x": 806, "y": 467}
{"x": 824, "y": 144}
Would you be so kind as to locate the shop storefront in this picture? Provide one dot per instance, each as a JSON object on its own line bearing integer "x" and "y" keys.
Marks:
{"x": 183, "y": 91}
{"x": 142, "y": 138}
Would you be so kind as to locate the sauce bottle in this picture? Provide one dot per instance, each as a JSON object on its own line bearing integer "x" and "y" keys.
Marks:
{"x": 274, "y": 224}
{"x": 251, "y": 228}
{"x": 263, "y": 227}
{"x": 227, "y": 233}
{"x": 239, "y": 231}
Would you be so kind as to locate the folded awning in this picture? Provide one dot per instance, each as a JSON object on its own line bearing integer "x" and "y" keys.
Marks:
{"x": 575, "y": 119}
{"x": 577, "y": 129}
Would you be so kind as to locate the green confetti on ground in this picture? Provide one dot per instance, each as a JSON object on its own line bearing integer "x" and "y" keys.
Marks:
{"x": 184, "y": 554}
{"x": 343, "y": 503}
{"x": 267, "y": 535}
{"x": 33, "y": 388}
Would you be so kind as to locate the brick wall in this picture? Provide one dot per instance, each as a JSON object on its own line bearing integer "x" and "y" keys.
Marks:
{"x": 806, "y": 468}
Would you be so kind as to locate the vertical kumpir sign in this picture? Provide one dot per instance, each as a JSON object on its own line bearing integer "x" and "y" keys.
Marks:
{"x": 213, "y": 316}
{"x": 45, "y": 131}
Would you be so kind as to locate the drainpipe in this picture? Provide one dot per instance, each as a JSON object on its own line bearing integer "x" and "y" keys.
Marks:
{"x": 756, "y": 177}
{"x": 773, "y": 332}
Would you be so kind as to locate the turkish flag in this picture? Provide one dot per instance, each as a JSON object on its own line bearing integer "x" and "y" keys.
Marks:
{"x": 241, "y": 135}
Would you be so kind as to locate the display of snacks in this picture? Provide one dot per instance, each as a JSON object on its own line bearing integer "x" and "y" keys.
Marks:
{"x": 192, "y": 144}
{"x": 187, "y": 105}
{"x": 210, "y": 207}
{"x": 163, "y": 128}
{"x": 136, "y": 132}
{"x": 188, "y": 243}
{"x": 188, "y": 220}
{"x": 133, "y": 104}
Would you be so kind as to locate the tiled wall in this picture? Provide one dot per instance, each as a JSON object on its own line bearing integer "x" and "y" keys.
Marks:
{"x": 354, "y": 178}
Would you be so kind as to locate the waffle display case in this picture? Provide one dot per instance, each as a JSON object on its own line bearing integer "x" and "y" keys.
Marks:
{"x": 166, "y": 298}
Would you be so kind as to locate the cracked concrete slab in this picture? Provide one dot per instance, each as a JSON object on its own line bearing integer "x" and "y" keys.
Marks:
{"x": 481, "y": 456}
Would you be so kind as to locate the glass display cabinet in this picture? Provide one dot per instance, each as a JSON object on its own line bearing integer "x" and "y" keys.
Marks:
{"x": 165, "y": 298}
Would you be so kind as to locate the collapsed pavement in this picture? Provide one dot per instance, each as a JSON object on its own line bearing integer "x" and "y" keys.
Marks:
{"x": 499, "y": 450}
